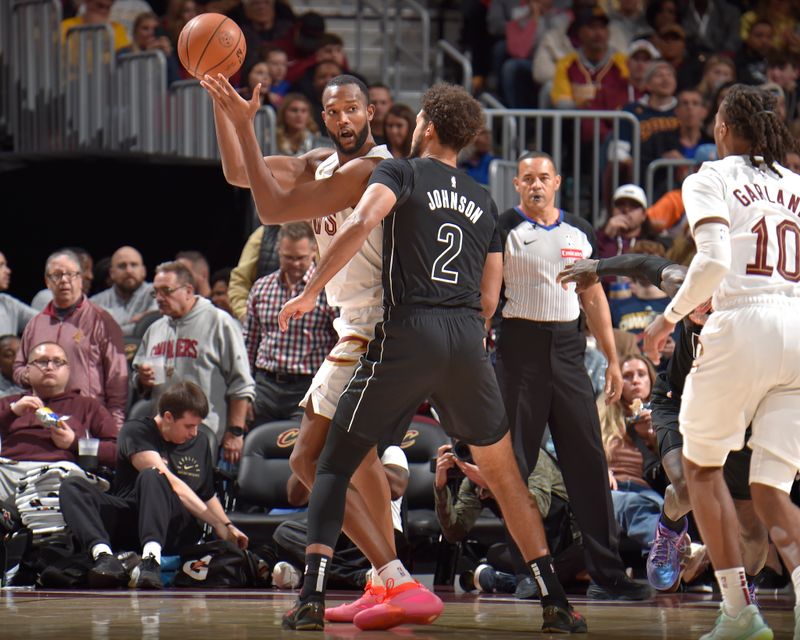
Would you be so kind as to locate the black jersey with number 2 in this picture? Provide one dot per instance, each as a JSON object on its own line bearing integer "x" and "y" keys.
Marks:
{"x": 436, "y": 239}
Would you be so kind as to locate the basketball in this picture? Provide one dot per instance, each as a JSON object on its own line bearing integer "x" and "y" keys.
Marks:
{"x": 210, "y": 44}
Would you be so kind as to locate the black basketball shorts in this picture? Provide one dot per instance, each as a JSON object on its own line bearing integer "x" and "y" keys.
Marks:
{"x": 666, "y": 410}
{"x": 418, "y": 354}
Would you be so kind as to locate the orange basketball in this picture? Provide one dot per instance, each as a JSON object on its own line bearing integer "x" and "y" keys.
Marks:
{"x": 210, "y": 44}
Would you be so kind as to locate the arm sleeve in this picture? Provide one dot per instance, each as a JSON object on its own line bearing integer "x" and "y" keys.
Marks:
{"x": 703, "y": 195}
{"x": 135, "y": 437}
{"x": 561, "y": 94}
{"x": 233, "y": 359}
{"x": 706, "y": 271}
{"x": 457, "y": 518}
{"x": 244, "y": 273}
{"x": 116, "y": 370}
{"x": 252, "y": 327}
{"x": 634, "y": 265}
{"x": 394, "y": 455}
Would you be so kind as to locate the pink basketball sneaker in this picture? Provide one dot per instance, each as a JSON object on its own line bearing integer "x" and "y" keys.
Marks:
{"x": 408, "y": 603}
{"x": 346, "y": 612}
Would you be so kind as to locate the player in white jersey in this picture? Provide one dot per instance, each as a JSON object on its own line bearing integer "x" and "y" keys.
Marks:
{"x": 310, "y": 188}
{"x": 743, "y": 211}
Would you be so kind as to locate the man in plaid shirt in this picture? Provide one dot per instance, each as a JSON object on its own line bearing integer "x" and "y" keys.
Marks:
{"x": 284, "y": 363}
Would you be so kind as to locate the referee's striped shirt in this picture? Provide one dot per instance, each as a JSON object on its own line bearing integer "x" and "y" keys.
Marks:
{"x": 533, "y": 254}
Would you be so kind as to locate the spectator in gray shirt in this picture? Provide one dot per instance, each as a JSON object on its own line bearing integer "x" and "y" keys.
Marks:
{"x": 129, "y": 298}
{"x": 14, "y": 315}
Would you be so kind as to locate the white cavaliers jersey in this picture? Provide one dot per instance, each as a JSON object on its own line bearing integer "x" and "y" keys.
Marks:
{"x": 763, "y": 211}
{"x": 359, "y": 282}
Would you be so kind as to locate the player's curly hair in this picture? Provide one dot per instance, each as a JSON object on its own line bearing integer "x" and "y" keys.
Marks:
{"x": 455, "y": 114}
{"x": 749, "y": 112}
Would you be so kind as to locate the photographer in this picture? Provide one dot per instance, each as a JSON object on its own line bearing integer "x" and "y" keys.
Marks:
{"x": 546, "y": 485}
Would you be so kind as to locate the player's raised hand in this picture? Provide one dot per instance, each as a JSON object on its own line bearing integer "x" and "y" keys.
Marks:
{"x": 582, "y": 272}
{"x": 295, "y": 309}
{"x": 655, "y": 336}
{"x": 239, "y": 111}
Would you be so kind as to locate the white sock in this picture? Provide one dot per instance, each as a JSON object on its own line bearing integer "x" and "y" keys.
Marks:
{"x": 396, "y": 572}
{"x": 796, "y": 583}
{"x": 375, "y": 578}
{"x": 100, "y": 549}
{"x": 152, "y": 549}
{"x": 733, "y": 585}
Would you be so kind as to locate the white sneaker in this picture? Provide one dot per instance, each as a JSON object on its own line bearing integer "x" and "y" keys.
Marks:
{"x": 748, "y": 625}
{"x": 286, "y": 576}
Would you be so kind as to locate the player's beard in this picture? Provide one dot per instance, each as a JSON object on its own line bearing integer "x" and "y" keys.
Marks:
{"x": 360, "y": 138}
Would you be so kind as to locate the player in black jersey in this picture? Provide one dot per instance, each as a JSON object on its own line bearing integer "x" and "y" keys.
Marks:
{"x": 442, "y": 271}
{"x": 664, "y": 562}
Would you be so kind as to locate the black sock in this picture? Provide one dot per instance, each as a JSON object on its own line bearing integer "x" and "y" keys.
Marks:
{"x": 315, "y": 577}
{"x": 550, "y": 590}
{"x": 673, "y": 525}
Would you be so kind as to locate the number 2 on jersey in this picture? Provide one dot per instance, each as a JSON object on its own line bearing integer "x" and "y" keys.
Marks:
{"x": 451, "y": 235}
{"x": 760, "y": 266}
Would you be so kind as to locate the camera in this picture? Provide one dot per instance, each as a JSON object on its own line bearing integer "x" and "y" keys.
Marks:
{"x": 462, "y": 452}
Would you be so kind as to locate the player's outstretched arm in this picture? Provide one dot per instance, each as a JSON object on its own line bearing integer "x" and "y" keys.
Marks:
{"x": 375, "y": 205}
{"x": 229, "y": 150}
{"x": 276, "y": 200}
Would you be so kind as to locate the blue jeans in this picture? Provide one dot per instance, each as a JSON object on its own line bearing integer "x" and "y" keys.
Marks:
{"x": 637, "y": 509}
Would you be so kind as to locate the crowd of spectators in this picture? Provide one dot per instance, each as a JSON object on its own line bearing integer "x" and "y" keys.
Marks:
{"x": 113, "y": 338}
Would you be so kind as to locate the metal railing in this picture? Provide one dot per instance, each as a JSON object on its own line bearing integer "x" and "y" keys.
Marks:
{"x": 380, "y": 9}
{"x": 445, "y": 50}
{"x": 501, "y": 185}
{"x": 5, "y": 68}
{"x": 420, "y": 63}
{"x": 192, "y": 121}
{"x": 265, "y": 123}
{"x": 35, "y": 99}
{"x": 668, "y": 164}
{"x": 561, "y": 133}
{"x": 141, "y": 101}
{"x": 88, "y": 58}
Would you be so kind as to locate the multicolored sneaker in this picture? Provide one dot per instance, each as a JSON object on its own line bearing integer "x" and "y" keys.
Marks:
{"x": 305, "y": 616}
{"x": 751, "y": 589}
{"x": 664, "y": 559}
{"x": 408, "y": 603}
{"x": 557, "y": 619}
{"x": 346, "y": 612}
{"x": 748, "y": 625}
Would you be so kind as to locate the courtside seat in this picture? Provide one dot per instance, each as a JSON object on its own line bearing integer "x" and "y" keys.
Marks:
{"x": 421, "y": 443}
{"x": 261, "y": 482}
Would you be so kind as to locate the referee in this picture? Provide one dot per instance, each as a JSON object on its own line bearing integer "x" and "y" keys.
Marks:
{"x": 540, "y": 363}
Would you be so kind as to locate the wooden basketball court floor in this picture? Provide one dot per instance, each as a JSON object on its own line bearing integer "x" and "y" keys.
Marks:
{"x": 250, "y": 615}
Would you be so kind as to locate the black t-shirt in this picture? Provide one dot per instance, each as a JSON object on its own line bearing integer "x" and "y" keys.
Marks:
{"x": 436, "y": 240}
{"x": 190, "y": 461}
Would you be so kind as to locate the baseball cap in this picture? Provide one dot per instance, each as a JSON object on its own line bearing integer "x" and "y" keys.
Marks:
{"x": 631, "y": 192}
{"x": 643, "y": 45}
{"x": 587, "y": 16}
{"x": 653, "y": 66}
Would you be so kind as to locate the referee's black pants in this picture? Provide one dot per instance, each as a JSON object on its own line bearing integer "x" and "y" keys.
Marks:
{"x": 543, "y": 381}
{"x": 151, "y": 513}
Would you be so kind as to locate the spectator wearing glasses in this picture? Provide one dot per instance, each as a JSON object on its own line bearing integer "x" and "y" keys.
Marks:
{"x": 285, "y": 362}
{"x": 196, "y": 342}
{"x": 90, "y": 337}
{"x": 29, "y": 444}
{"x": 130, "y": 297}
